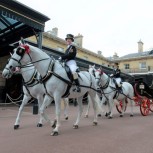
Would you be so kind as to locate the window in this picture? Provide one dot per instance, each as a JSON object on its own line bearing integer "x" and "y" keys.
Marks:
{"x": 127, "y": 66}
{"x": 143, "y": 65}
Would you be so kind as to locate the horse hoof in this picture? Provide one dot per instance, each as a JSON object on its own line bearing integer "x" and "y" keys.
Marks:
{"x": 95, "y": 123}
{"x": 54, "y": 133}
{"x": 39, "y": 125}
{"x": 99, "y": 115}
{"x": 110, "y": 117}
{"x": 86, "y": 116}
{"x": 121, "y": 115}
{"x": 106, "y": 114}
{"x": 16, "y": 127}
{"x": 131, "y": 115}
{"x": 75, "y": 126}
{"x": 66, "y": 118}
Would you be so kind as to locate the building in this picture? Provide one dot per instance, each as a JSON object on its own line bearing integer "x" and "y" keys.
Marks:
{"x": 139, "y": 62}
{"x": 51, "y": 40}
{"x": 16, "y": 21}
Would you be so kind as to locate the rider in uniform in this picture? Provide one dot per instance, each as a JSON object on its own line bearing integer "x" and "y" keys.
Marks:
{"x": 116, "y": 76}
{"x": 69, "y": 57}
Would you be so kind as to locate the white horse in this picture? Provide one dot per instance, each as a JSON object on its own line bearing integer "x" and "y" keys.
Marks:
{"x": 92, "y": 70}
{"x": 108, "y": 88}
{"x": 32, "y": 88}
{"x": 56, "y": 81}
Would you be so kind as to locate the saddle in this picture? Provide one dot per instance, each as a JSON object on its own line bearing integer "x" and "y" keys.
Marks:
{"x": 116, "y": 85}
{"x": 69, "y": 73}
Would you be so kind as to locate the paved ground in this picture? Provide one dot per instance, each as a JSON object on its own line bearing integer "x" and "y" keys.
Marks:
{"x": 117, "y": 135}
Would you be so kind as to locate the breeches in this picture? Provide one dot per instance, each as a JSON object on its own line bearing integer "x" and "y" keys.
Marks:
{"x": 118, "y": 80}
{"x": 72, "y": 65}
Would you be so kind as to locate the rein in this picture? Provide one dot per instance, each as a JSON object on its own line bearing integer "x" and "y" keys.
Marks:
{"x": 28, "y": 65}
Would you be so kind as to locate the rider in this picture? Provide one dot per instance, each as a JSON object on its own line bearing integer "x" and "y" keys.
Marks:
{"x": 116, "y": 76}
{"x": 69, "y": 58}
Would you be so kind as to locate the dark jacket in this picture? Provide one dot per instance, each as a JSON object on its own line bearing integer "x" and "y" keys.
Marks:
{"x": 70, "y": 53}
{"x": 116, "y": 73}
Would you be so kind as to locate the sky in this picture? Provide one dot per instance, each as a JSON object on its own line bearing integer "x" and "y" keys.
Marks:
{"x": 106, "y": 25}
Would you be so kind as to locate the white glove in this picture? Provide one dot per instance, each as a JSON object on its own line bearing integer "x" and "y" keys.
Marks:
{"x": 111, "y": 75}
{"x": 60, "y": 58}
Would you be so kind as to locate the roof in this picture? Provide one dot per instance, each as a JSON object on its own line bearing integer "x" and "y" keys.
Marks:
{"x": 18, "y": 20}
{"x": 132, "y": 56}
{"x": 136, "y": 55}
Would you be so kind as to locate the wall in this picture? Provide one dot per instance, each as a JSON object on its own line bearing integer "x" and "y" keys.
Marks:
{"x": 3, "y": 61}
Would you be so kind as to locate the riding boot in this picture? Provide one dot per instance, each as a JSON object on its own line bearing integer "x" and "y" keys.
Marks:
{"x": 75, "y": 77}
{"x": 77, "y": 89}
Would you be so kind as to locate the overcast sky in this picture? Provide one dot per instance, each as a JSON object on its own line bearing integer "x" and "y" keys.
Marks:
{"x": 106, "y": 25}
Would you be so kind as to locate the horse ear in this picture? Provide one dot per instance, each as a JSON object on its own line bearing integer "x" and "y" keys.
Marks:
{"x": 22, "y": 41}
{"x": 11, "y": 54}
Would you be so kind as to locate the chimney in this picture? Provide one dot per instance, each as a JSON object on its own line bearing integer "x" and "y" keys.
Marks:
{"x": 53, "y": 32}
{"x": 78, "y": 40}
{"x": 99, "y": 52}
{"x": 115, "y": 55}
{"x": 140, "y": 46}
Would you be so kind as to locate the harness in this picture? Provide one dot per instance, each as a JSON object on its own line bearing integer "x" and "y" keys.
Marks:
{"x": 49, "y": 71}
{"x": 25, "y": 49}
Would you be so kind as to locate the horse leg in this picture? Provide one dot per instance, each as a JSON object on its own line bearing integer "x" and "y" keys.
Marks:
{"x": 57, "y": 100}
{"x": 80, "y": 110}
{"x": 96, "y": 105}
{"x": 40, "y": 101}
{"x": 111, "y": 105}
{"x": 123, "y": 108}
{"x": 102, "y": 103}
{"x": 24, "y": 102}
{"x": 87, "y": 111}
{"x": 46, "y": 102}
{"x": 66, "y": 105}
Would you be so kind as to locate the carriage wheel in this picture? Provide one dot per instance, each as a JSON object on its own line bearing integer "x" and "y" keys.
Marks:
{"x": 151, "y": 105}
{"x": 120, "y": 106}
{"x": 145, "y": 106}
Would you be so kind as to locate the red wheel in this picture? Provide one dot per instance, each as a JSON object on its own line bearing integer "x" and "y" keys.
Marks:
{"x": 145, "y": 106}
{"x": 151, "y": 105}
{"x": 120, "y": 106}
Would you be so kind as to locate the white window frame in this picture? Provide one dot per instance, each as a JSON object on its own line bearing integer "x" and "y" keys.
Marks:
{"x": 126, "y": 66}
{"x": 143, "y": 65}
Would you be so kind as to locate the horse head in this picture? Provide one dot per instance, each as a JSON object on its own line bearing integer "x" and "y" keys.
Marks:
{"x": 21, "y": 52}
{"x": 8, "y": 71}
{"x": 92, "y": 70}
{"x": 98, "y": 74}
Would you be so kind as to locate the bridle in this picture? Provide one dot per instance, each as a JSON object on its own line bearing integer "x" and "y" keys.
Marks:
{"x": 21, "y": 50}
{"x": 99, "y": 84}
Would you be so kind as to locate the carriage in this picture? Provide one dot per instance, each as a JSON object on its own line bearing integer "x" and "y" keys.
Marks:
{"x": 143, "y": 97}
